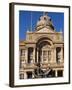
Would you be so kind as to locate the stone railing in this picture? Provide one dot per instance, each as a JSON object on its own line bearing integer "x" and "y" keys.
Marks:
{"x": 42, "y": 65}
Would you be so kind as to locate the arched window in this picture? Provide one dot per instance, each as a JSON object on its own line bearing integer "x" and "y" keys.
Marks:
{"x": 44, "y": 45}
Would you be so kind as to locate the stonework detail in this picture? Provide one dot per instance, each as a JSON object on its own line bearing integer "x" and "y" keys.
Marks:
{"x": 41, "y": 54}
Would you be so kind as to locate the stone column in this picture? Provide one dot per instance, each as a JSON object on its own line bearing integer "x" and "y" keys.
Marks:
{"x": 25, "y": 75}
{"x": 47, "y": 57}
{"x": 61, "y": 54}
{"x": 26, "y": 55}
{"x": 54, "y": 55}
{"x": 19, "y": 53}
{"x": 56, "y": 73}
{"x": 37, "y": 55}
{"x": 42, "y": 57}
{"x": 34, "y": 55}
{"x": 63, "y": 73}
{"x": 33, "y": 74}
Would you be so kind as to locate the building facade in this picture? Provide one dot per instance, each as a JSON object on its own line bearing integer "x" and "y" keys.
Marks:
{"x": 42, "y": 53}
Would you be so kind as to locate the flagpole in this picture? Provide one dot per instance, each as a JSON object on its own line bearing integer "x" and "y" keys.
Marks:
{"x": 31, "y": 20}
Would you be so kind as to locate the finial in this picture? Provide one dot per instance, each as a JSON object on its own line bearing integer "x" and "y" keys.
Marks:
{"x": 45, "y": 13}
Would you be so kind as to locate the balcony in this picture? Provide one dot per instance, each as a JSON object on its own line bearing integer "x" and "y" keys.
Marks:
{"x": 42, "y": 65}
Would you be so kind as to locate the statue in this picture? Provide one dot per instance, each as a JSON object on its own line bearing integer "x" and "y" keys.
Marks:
{"x": 39, "y": 73}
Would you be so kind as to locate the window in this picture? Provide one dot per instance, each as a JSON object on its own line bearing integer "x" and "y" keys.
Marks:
{"x": 60, "y": 73}
{"x": 30, "y": 55}
{"x": 44, "y": 55}
{"x": 58, "y": 54}
{"x": 22, "y": 58}
{"x": 49, "y": 55}
{"x": 29, "y": 75}
{"x": 22, "y": 62}
{"x": 21, "y": 76}
{"x": 23, "y": 52}
{"x": 53, "y": 73}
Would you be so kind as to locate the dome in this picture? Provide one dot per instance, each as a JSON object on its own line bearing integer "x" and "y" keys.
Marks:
{"x": 44, "y": 21}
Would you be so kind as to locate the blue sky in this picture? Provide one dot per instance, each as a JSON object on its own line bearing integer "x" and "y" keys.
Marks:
{"x": 25, "y": 21}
